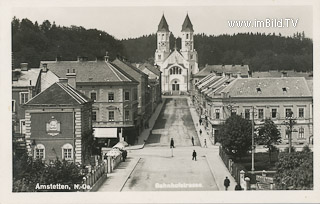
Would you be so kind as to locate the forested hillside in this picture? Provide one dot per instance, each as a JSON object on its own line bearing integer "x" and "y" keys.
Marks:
{"x": 32, "y": 42}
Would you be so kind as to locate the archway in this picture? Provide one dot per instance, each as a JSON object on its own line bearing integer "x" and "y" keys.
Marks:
{"x": 175, "y": 87}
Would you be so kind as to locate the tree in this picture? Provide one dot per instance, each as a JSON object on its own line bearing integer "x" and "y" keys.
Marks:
{"x": 295, "y": 171}
{"x": 269, "y": 136}
{"x": 235, "y": 135}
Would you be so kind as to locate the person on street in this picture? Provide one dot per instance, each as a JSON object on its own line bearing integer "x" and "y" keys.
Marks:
{"x": 238, "y": 187}
{"x": 226, "y": 183}
{"x": 205, "y": 143}
{"x": 200, "y": 131}
{"x": 192, "y": 140}
{"x": 124, "y": 155}
{"x": 194, "y": 155}
{"x": 171, "y": 143}
{"x": 200, "y": 121}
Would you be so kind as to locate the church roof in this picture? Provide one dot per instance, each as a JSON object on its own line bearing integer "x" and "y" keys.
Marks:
{"x": 163, "y": 25}
{"x": 187, "y": 25}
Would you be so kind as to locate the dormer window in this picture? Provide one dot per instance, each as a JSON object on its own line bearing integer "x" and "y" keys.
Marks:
{"x": 284, "y": 89}
{"x": 258, "y": 90}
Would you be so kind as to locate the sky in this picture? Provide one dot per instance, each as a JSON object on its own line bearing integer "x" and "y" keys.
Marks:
{"x": 135, "y": 21}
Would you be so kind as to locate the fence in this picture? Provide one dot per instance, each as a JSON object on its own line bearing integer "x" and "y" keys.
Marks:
{"x": 91, "y": 178}
{"x": 233, "y": 168}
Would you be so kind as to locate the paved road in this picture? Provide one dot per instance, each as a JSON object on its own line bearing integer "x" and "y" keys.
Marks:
{"x": 157, "y": 166}
{"x": 174, "y": 122}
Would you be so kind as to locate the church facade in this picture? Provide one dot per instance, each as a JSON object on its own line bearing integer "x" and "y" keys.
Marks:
{"x": 177, "y": 67}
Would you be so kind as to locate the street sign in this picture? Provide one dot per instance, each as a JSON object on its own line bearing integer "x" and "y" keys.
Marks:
{"x": 264, "y": 179}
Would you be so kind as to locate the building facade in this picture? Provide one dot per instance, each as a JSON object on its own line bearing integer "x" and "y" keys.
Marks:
{"x": 114, "y": 92}
{"x": 58, "y": 124}
{"x": 177, "y": 67}
{"x": 265, "y": 98}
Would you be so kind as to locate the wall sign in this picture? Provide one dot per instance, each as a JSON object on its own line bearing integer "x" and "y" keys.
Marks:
{"x": 53, "y": 127}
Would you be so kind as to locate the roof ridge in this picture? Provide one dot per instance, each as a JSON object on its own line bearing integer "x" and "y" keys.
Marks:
{"x": 112, "y": 69}
{"x": 76, "y": 92}
{"x": 68, "y": 92}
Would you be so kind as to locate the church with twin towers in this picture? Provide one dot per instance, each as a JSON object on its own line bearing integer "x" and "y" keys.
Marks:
{"x": 177, "y": 66}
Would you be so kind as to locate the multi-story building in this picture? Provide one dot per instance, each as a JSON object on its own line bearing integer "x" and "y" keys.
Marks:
{"x": 177, "y": 67}
{"x": 154, "y": 76}
{"x": 58, "y": 124}
{"x": 26, "y": 83}
{"x": 144, "y": 92}
{"x": 273, "y": 98}
{"x": 114, "y": 92}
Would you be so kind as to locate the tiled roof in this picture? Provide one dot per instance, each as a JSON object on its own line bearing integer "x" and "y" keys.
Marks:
{"x": 150, "y": 67}
{"x": 187, "y": 25}
{"x": 24, "y": 77}
{"x": 270, "y": 87}
{"x": 163, "y": 25}
{"x": 310, "y": 85}
{"x": 89, "y": 71}
{"x": 47, "y": 79}
{"x": 233, "y": 69}
{"x": 128, "y": 68}
{"x": 59, "y": 94}
{"x": 276, "y": 73}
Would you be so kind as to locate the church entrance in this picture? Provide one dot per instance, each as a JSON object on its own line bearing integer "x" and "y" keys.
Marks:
{"x": 175, "y": 88}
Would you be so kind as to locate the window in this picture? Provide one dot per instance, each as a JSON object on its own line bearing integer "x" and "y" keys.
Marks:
{"x": 162, "y": 38}
{"x": 13, "y": 106}
{"x": 247, "y": 114}
{"x": 126, "y": 96}
{"x": 111, "y": 115}
{"x": 301, "y": 112}
{"x": 67, "y": 152}
{"x": 39, "y": 151}
{"x": 287, "y": 132}
{"x": 187, "y": 36}
{"x": 93, "y": 96}
{"x": 301, "y": 133}
{"x": 110, "y": 97}
{"x": 94, "y": 115}
{"x": 288, "y": 112}
{"x": 233, "y": 112}
{"x": 170, "y": 71}
{"x": 191, "y": 57}
{"x": 23, "y": 126}
{"x": 217, "y": 113}
{"x": 159, "y": 57}
{"x": 273, "y": 113}
{"x": 127, "y": 115}
{"x": 260, "y": 113}
{"x": 180, "y": 71}
{"x": 24, "y": 96}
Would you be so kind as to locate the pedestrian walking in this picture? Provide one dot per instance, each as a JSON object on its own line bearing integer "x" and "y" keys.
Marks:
{"x": 171, "y": 143}
{"x": 194, "y": 155}
{"x": 238, "y": 187}
{"x": 200, "y": 131}
{"x": 226, "y": 183}
{"x": 205, "y": 143}
{"x": 124, "y": 155}
{"x": 200, "y": 121}
{"x": 192, "y": 140}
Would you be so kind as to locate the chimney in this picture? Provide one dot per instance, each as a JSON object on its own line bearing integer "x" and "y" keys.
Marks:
{"x": 284, "y": 74}
{"x": 106, "y": 58}
{"x": 44, "y": 67}
{"x": 24, "y": 66}
{"x": 63, "y": 81}
{"x": 71, "y": 76}
{"x": 58, "y": 58}
{"x": 239, "y": 75}
{"x": 82, "y": 59}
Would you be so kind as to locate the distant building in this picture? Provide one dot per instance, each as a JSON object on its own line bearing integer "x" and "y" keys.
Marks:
{"x": 177, "y": 67}
{"x": 114, "y": 92}
{"x": 26, "y": 83}
{"x": 282, "y": 73}
{"x": 58, "y": 124}
{"x": 154, "y": 75}
{"x": 219, "y": 97}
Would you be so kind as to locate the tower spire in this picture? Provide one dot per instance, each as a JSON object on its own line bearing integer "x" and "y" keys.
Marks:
{"x": 163, "y": 25}
{"x": 187, "y": 25}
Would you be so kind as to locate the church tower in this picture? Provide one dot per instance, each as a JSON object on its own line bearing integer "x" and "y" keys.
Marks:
{"x": 187, "y": 45}
{"x": 163, "y": 46}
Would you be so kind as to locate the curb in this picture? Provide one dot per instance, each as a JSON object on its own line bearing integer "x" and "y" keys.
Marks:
{"x": 129, "y": 175}
{"x": 212, "y": 172}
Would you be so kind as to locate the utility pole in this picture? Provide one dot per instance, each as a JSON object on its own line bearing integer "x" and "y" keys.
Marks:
{"x": 252, "y": 145}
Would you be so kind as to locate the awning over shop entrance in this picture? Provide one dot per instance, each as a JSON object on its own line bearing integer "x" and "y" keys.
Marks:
{"x": 105, "y": 132}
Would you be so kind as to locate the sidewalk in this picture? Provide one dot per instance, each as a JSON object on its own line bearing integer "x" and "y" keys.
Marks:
{"x": 146, "y": 132}
{"x": 217, "y": 167}
{"x": 195, "y": 118}
{"x": 117, "y": 179}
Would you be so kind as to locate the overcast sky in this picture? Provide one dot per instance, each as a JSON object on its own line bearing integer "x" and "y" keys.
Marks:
{"x": 135, "y": 21}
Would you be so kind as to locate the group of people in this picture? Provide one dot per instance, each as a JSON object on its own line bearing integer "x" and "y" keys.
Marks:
{"x": 227, "y": 184}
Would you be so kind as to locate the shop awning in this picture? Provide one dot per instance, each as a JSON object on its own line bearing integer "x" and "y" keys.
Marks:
{"x": 105, "y": 132}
